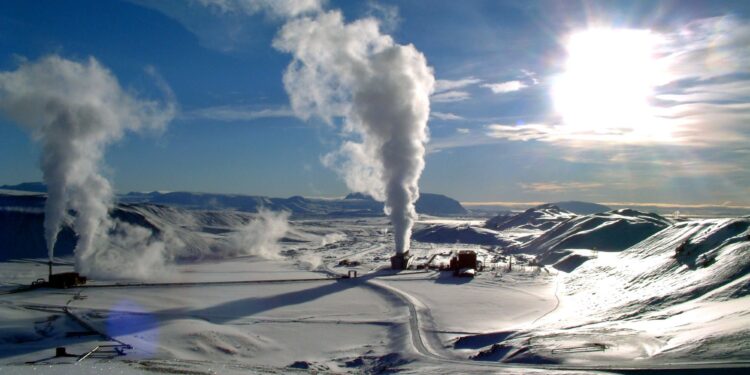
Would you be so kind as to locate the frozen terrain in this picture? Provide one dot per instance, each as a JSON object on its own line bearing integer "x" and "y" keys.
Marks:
{"x": 559, "y": 292}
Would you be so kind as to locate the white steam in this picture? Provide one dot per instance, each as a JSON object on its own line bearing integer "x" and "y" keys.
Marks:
{"x": 310, "y": 261}
{"x": 260, "y": 237}
{"x": 331, "y": 238}
{"x": 74, "y": 110}
{"x": 381, "y": 89}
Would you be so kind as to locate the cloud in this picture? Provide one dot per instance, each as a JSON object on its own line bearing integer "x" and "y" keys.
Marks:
{"x": 237, "y": 113}
{"x": 707, "y": 47}
{"x": 525, "y": 132}
{"x": 570, "y": 135}
{"x": 461, "y": 138}
{"x": 450, "y": 96}
{"x": 278, "y": 8}
{"x": 445, "y": 116}
{"x": 557, "y": 187}
{"x": 443, "y": 85}
{"x": 387, "y": 14}
{"x": 698, "y": 94}
{"x": 531, "y": 76}
{"x": 505, "y": 87}
{"x": 447, "y": 91}
{"x": 226, "y": 25}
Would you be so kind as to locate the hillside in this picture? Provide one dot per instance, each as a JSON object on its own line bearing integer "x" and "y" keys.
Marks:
{"x": 465, "y": 234}
{"x": 190, "y": 234}
{"x": 353, "y": 205}
{"x": 680, "y": 295}
{"x": 610, "y": 231}
{"x": 541, "y": 217}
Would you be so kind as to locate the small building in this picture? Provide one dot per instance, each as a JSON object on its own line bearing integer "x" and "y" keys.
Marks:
{"x": 66, "y": 280}
{"x": 464, "y": 261}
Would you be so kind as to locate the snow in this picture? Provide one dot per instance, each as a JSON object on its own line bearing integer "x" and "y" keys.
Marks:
{"x": 652, "y": 305}
{"x": 558, "y": 306}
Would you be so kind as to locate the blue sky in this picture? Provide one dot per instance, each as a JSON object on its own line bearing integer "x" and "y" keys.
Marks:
{"x": 498, "y": 132}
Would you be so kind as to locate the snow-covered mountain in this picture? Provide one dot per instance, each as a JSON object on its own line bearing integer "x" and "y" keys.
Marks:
{"x": 22, "y": 227}
{"x": 350, "y": 206}
{"x": 541, "y": 217}
{"x": 680, "y": 295}
{"x": 465, "y": 234}
{"x": 353, "y": 205}
{"x": 549, "y": 231}
{"x": 609, "y": 231}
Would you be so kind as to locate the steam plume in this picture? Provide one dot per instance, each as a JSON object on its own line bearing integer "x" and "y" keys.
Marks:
{"x": 260, "y": 237}
{"x": 74, "y": 110}
{"x": 381, "y": 89}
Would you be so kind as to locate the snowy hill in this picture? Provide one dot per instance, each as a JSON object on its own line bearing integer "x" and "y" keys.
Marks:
{"x": 22, "y": 229}
{"x": 465, "y": 234}
{"x": 541, "y": 217}
{"x": 198, "y": 233}
{"x": 439, "y": 205}
{"x": 610, "y": 231}
{"x": 34, "y": 187}
{"x": 552, "y": 233}
{"x": 681, "y": 295}
{"x": 351, "y": 206}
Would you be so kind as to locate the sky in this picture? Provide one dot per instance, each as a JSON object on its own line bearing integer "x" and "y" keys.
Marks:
{"x": 604, "y": 101}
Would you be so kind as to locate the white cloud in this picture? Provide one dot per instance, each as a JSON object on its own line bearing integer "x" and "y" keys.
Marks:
{"x": 531, "y": 76}
{"x": 556, "y": 187}
{"x": 450, "y": 96}
{"x": 526, "y": 132}
{"x": 279, "y": 8}
{"x": 505, "y": 87}
{"x": 238, "y": 113}
{"x": 387, "y": 14}
{"x": 445, "y": 116}
{"x": 573, "y": 136}
{"x": 449, "y": 90}
{"x": 443, "y": 85}
{"x": 463, "y": 130}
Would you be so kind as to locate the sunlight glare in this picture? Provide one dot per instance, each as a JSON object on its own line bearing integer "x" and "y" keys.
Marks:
{"x": 605, "y": 90}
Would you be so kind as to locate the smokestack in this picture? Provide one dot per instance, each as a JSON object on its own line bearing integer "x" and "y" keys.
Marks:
{"x": 381, "y": 90}
{"x": 74, "y": 110}
{"x": 49, "y": 263}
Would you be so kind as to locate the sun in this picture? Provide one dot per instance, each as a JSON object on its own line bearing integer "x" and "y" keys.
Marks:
{"x": 609, "y": 78}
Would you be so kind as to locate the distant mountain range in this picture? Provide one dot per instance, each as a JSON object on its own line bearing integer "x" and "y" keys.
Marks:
{"x": 34, "y": 187}
{"x": 352, "y": 205}
{"x": 355, "y": 204}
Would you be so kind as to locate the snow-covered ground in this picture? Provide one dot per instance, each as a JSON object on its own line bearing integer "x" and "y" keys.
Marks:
{"x": 553, "y": 308}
